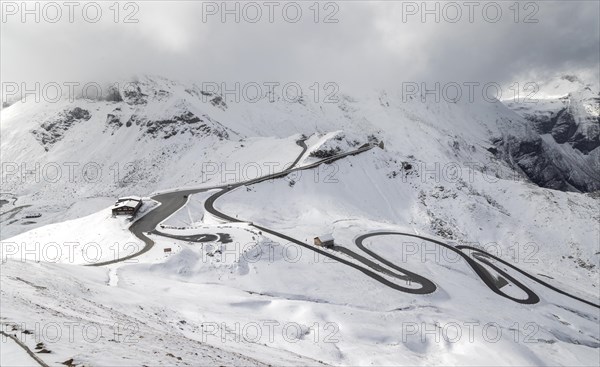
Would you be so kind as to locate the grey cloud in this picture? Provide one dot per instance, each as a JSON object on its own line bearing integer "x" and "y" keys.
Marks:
{"x": 370, "y": 47}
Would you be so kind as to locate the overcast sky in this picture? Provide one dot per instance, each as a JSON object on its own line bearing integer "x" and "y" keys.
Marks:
{"x": 373, "y": 43}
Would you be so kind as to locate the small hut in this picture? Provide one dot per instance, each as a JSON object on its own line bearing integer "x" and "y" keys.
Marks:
{"x": 325, "y": 240}
{"x": 126, "y": 207}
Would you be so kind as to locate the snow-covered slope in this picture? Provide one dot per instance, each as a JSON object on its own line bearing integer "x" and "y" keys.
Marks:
{"x": 459, "y": 172}
{"x": 154, "y": 134}
{"x": 258, "y": 299}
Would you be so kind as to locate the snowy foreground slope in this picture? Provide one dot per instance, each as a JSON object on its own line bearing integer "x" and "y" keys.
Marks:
{"x": 253, "y": 298}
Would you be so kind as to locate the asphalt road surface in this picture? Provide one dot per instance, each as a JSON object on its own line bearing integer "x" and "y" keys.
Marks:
{"x": 479, "y": 270}
{"x": 170, "y": 202}
{"x": 426, "y": 286}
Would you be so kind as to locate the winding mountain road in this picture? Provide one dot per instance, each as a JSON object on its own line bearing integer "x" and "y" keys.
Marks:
{"x": 532, "y": 298}
{"x": 170, "y": 202}
{"x": 426, "y": 286}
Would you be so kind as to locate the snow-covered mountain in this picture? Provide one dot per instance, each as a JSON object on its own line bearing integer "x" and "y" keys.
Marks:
{"x": 154, "y": 134}
{"x": 566, "y": 113}
{"x": 476, "y": 173}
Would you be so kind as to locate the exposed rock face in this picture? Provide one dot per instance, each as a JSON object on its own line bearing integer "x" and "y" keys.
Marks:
{"x": 180, "y": 123}
{"x": 149, "y": 105}
{"x": 587, "y": 141}
{"x": 581, "y": 132}
{"x": 325, "y": 153}
{"x": 133, "y": 95}
{"x": 183, "y": 123}
{"x": 53, "y": 130}
{"x": 113, "y": 121}
{"x": 218, "y": 101}
{"x": 564, "y": 151}
{"x": 547, "y": 165}
{"x": 114, "y": 95}
{"x": 215, "y": 99}
{"x": 564, "y": 126}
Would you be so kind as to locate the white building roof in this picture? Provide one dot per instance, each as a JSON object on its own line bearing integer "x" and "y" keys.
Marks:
{"x": 326, "y": 237}
{"x": 125, "y": 198}
{"x": 129, "y": 203}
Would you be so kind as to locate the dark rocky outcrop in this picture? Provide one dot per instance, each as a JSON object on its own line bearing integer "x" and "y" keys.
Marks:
{"x": 53, "y": 130}
{"x": 113, "y": 95}
{"x": 564, "y": 126}
{"x": 133, "y": 95}
{"x": 113, "y": 121}
{"x": 182, "y": 123}
{"x": 581, "y": 132}
{"x": 562, "y": 148}
{"x": 325, "y": 153}
{"x": 544, "y": 165}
